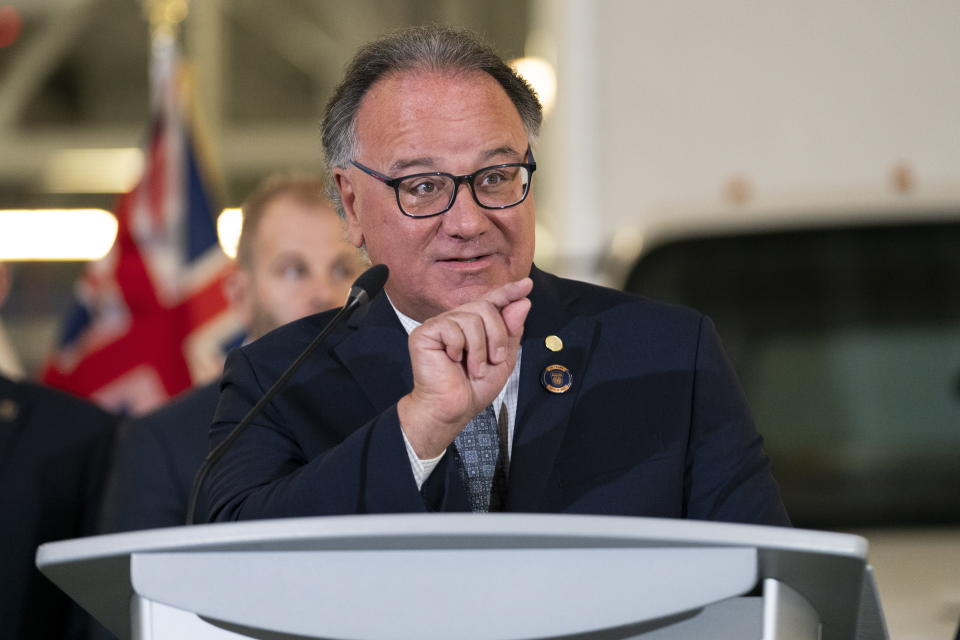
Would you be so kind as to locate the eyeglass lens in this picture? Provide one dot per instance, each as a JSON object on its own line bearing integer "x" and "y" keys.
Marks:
{"x": 496, "y": 187}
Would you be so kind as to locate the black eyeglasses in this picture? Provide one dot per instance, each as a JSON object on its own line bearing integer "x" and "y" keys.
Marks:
{"x": 423, "y": 195}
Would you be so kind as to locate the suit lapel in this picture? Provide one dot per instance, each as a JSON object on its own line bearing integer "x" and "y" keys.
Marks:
{"x": 542, "y": 416}
{"x": 377, "y": 356}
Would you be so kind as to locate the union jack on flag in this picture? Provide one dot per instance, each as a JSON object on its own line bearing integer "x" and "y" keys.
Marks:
{"x": 151, "y": 318}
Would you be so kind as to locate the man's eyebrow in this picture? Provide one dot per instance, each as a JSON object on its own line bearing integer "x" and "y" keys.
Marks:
{"x": 424, "y": 163}
{"x": 505, "y": 150}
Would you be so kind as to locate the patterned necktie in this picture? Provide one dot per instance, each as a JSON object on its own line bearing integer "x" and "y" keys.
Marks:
{"x": 481, "y": 462}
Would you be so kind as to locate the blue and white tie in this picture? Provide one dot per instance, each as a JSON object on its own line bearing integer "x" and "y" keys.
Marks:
{"x": 481, "y": 462}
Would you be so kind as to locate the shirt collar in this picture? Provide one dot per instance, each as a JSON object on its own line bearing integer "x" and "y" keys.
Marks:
{"x": 409, "y": 324}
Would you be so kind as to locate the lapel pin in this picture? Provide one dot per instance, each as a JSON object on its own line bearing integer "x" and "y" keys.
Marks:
{"x": 554, "y": 343}
{"x": 556, "y": 378}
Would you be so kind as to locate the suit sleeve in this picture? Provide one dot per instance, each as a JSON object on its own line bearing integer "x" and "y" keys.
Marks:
{"x": 268, "y": 473}
{"x": 728, "y": 474}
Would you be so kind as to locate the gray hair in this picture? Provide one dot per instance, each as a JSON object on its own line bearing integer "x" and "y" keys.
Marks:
{"x": 429, "y": 48}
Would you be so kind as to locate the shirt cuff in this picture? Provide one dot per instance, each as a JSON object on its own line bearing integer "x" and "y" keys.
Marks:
{"x": 421, "y": 468}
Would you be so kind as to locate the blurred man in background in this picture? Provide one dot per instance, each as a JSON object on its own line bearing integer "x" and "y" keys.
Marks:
{"x": 292, "y": 261}
{"x": 54, "y": 455}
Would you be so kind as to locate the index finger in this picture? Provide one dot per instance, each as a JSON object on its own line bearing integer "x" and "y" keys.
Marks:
{"x": 510, "y": 292}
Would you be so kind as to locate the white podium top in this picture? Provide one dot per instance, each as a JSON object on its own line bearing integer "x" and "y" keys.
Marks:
{"x": 544, "y": 575}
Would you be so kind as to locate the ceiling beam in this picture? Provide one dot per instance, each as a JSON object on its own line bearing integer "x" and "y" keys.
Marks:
{"x": 38, "y": 56}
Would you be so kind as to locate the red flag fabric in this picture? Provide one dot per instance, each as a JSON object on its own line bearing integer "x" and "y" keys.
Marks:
{"x": 151, "y": 318}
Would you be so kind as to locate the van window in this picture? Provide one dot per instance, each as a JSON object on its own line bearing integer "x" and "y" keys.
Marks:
{"x": 847, "y": 342}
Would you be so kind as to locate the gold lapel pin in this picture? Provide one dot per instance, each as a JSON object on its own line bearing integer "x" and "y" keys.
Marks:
{"x": 556, "y": 378}
{"x": 554, "y": 343}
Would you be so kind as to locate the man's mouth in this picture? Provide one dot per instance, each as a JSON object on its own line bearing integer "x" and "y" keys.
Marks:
{"x": 466, "y": 260}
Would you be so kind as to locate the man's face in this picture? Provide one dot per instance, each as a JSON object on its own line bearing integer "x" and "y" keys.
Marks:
{"x": 300, "y": 265}
{"x": 420, "y": 121}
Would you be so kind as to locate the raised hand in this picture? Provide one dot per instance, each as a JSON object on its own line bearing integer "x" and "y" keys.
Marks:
{"x": 461, "y": 359}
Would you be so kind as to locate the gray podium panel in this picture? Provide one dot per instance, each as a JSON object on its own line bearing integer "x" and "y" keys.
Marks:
{"x": 474, "y": 593}
{"x": 478, "y": 576}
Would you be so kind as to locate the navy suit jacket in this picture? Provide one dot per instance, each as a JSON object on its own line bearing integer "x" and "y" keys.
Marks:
{"x": 54, "y": 453}
{"x": 654, "y": 424}
{"x": 155, "y": 460}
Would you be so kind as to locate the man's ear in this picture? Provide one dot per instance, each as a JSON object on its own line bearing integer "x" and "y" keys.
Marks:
{"x": 238, "y": 288}
{"x": 348, "y": 199}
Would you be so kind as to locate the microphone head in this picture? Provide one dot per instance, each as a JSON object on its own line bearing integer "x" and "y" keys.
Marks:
{"x": 370, "y": 283}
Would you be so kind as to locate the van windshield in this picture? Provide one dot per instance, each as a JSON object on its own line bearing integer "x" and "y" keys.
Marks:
{"x": 847, "y": 342}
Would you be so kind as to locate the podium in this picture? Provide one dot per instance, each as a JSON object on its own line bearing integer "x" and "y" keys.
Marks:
{"x": 504, "y": 576}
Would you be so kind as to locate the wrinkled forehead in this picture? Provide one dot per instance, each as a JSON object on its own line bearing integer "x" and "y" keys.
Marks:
{"x": 425, "y": 107}
{"x": 415, "y": 92}
{"x": 449, "y": 80}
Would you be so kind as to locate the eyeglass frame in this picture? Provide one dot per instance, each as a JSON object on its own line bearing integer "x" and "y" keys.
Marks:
{"x": 467, "y": 179}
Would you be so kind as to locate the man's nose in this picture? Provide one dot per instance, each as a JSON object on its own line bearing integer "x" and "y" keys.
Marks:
{"x": 466, "y": 218}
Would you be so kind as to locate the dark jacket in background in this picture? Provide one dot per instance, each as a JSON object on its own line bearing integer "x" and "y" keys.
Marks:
{"x": 54, "y": 455}
{"x": 156, "y": 457}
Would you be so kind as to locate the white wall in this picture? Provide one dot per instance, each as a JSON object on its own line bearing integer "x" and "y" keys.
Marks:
{"x": 661, "y": 103}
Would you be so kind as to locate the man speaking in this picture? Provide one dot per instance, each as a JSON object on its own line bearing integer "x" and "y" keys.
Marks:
{"x": 478, "y": 382}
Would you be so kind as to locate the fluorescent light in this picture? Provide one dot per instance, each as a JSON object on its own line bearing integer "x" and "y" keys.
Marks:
{"x": 229, "y": 223}
{"x": 56, "y": 234}
{"x": 541, "y": 76}
{"x": 93, "y": 170}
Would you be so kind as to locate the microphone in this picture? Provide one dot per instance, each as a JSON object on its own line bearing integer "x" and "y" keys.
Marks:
{"x": 365, "y": 288}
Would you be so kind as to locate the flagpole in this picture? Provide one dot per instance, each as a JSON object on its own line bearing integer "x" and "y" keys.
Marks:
{"x": 165, "y": 17}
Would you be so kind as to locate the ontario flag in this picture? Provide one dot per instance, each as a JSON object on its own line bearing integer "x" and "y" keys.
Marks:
{"x": 151, "y": 318}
